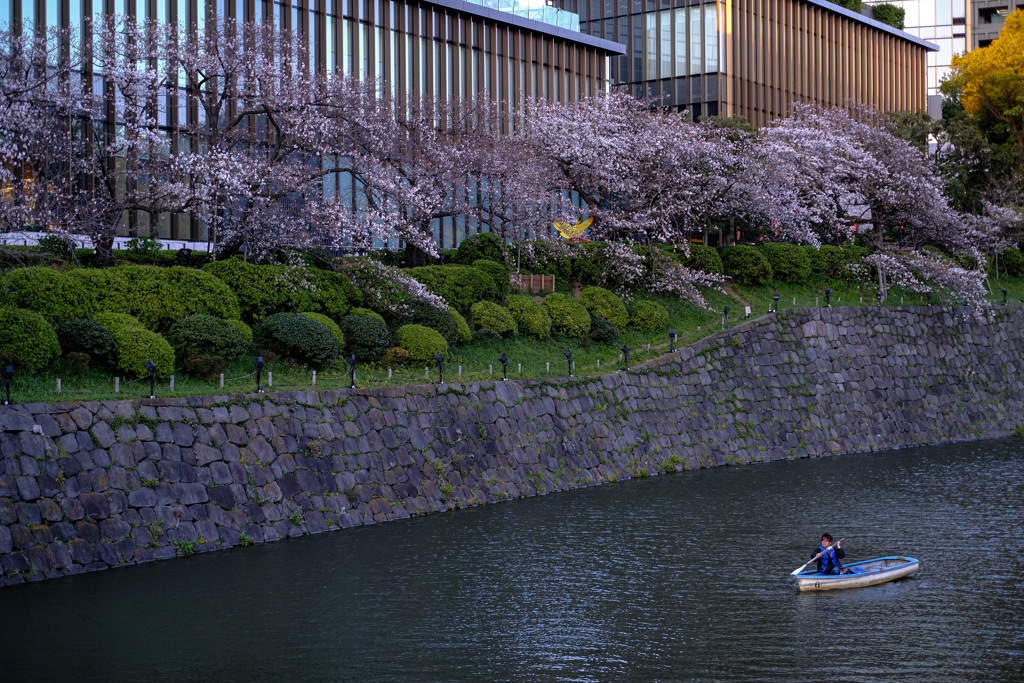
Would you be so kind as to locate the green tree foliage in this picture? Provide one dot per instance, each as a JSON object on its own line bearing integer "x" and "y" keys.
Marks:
{"x": 531, "y": 317}
{"x": 26, "y": 339}
{"x": 490, "y": 316}
{"x": 789, "y": 262}
{"x": 1012, "y": 261}
{"x": 604, "y": 304}
{"x": 889, "y": 14}
{"x": 460, "y": 286}
{"x": 499, "y": 273}
{"x": 422, "y": 343}
{"x": 746, "y": 265}
{"x": 484, "y": 245}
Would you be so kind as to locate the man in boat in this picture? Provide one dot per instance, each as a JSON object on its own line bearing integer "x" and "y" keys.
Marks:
{"x": 828, "y": 555}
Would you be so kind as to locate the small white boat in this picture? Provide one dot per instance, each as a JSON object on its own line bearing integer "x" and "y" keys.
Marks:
{"x": 859, "y": 574}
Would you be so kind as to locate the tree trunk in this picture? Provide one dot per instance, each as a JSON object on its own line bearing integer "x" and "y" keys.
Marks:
{"x": 103, "y": 250}
{"x": 415, "y": 257}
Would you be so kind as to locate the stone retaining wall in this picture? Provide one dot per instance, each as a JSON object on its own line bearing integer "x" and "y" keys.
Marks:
{"x": 103, "y": 484}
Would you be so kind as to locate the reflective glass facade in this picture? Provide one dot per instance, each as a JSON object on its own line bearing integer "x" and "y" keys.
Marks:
{"x": 942, "y": 22}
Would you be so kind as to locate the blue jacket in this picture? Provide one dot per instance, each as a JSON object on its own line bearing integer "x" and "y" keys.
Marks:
{"x": 829, "y": 563}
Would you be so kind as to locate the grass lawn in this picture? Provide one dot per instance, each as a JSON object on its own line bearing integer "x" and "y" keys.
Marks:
{"x": 527, "y": 357}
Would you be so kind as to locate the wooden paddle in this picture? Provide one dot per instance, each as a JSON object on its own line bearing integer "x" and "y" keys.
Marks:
{"x": 801, "y": 568}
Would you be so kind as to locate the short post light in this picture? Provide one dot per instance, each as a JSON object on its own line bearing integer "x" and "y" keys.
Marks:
{"x": 671, "y": 341}
{"x": 440, "y": 368}
{"x": 1004, "y": 296}
{"x": 151, "y": 369}
{"x": 625, "y": 356}
{"x": 928, "y": 297}
{"x": 727, "y": 309}
{"x": 568, "y": 359}
{"x": 352, "y": 369}
{"x": 775, "y": 298}
{"x": 828, "y": 296}
{"x": 504, "y": 367}
{"x": 258, "y": 363}
{"x": 879, "y": 296}
{"x": 183, "y": 255}
{"x": 8, "y": 377}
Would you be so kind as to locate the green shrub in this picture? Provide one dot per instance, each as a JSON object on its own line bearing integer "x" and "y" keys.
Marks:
{"x": 648, "y": 316}
{"x": 788, "y": 261}
{"x": 465, "y": 334}
{"x": 244, "y": 329}
{"x": 486, "y": 336}
{"x": 26, "y": 339}
{"x": 483, "y": 245}
{"x": 422, "y": 343}
{"x": 852, "y": 5}
{"x": 77, "y": 364}
{"x": 702, "y": 258}
{"x": 490, "y": 316}
{"x": 382, "y": 287}
{"x": 85, "y": 336}
{"x": 265, "y": 290}
{"x": 133, "y": 346}
{"x": 832, "y": 262}
{"x": 366, "y": 311}
{"x": 746, "y": 265}
{"x": 297, "y": 337}
{"x": 604, "y": 304}
{"x": 603, "y": 332}
{"x": 547, "y": 258}
{"x": 498, "y": 273}
{"x": 57, "y": 245}
{"x": 50, "y": 293}
{"x": 203, "y": 367}
{"x": 419, "y": 312}
{"x": 117, "y": 321}
{"x": 531, "y": 317}
{"x": 366, "y": 337}
{"x": 1012, "y": 262}
{"x": 158, "y": 296}
{"x": 568, "y": 316}
{"x": 144, "y": 247}
{"x": 590, "y": 262}
{"x": 339, "y": 336}
{"x": 204, "y": 335}
{"x": 889, "y": 14}
{"x": 460, "y": 286}
{"x": 395, "y": 358}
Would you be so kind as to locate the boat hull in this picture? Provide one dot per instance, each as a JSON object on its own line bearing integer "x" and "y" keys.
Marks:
{"x": 873, "y": 572}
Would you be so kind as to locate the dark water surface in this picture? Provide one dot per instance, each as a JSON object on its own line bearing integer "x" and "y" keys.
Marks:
{"x": 681, "y": 577}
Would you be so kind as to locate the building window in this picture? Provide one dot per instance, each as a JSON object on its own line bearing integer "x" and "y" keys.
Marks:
{"x": 695, "y": 39}
{"x": 711, "y": 38}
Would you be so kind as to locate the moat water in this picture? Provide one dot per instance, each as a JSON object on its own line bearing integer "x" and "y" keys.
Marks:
{"x": 671, "y": 578}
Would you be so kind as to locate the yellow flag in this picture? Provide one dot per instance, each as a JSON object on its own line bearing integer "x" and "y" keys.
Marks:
{"x": 573, "y": 232}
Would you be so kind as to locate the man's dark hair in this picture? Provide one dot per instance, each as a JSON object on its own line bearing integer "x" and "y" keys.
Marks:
{"x": 828, "y": 536}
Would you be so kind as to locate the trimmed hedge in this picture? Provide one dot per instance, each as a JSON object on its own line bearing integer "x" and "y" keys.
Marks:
{"x": 1012, "y": 262}
{"x": 204, "y": 335}
{"x": 245, "y": 330}
{"x": 746, "y": 265}
{"x": 648, "y": 316}
{"x": 421, "y": 342}
{"x": 483, "y": 245}
{"x": 531, "y": 317}
{"x": 85, "y": 336}
{"x": 568, "y": 316}
{"x": 339, "y": 336}
{"x": 548, "y": 258}
{"x": 419, "y": 312}
{"x": 705, "y": 259}
{"x": 367, "y": 312}
{"x": 465, "y": 334}
{"x": 602, "y": 303}
{"x": 297, "y": 337}
{"x": 490, "y": 316}
{"x": 265, "y": 290}
{"x": 26, "y": 339}
{"x": 603, "y": 332}
{"x": 834, "y": 262}
{"x": 366, "y": 337}
{"x": 498, "y": 273}
{"x": 133, "y": 346}
{"x": 788, "y": 261}
{"x": 460, "y": 286}
{"x": 50, "y": 293}
{"x": 117, "y": 321}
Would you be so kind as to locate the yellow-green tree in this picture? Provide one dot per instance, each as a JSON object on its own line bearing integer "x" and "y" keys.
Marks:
{"x": 990, "y": 81}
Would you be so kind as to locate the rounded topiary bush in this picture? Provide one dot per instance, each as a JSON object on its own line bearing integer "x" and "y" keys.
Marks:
{"x": 648, "y": 316}
{"x": 133, "y": 346}
{"x": 295, "y": 336}
{"x": 1012, "y": 262}
{"x": 465, "y": 334}
{"x": 568, "y": 316}
{"x": 367, "y": 312}
{"x": 204, "y": 335}
{"x": 531, "y": 317}
{"x": 339, "y": 336}
{"x": 604, "y": 304}
{"x": 488, "y": 315}
{"x": 366, "y": 337}
{"x": 50, "y": 293}
{"x": 603, "y": 332}
{"x": 483, "y": 245}
{"x": 788, "y": 261}
{"x": 85, "y": 336}
{"x": 117, "y": 321}
{"x": 421, "y": 342}
{"x": 498, "y": 273}
{"x": 419, "y": 312}
{"x": 460, "y": 286}
{"x": 705, "y": 259}
{"x": 26, "y": 339}
{"x": 244, "y": 329}
{"x": 746, "y": 265}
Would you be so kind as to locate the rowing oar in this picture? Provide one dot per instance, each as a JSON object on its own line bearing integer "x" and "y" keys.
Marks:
{"x": 801, "y": 568}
